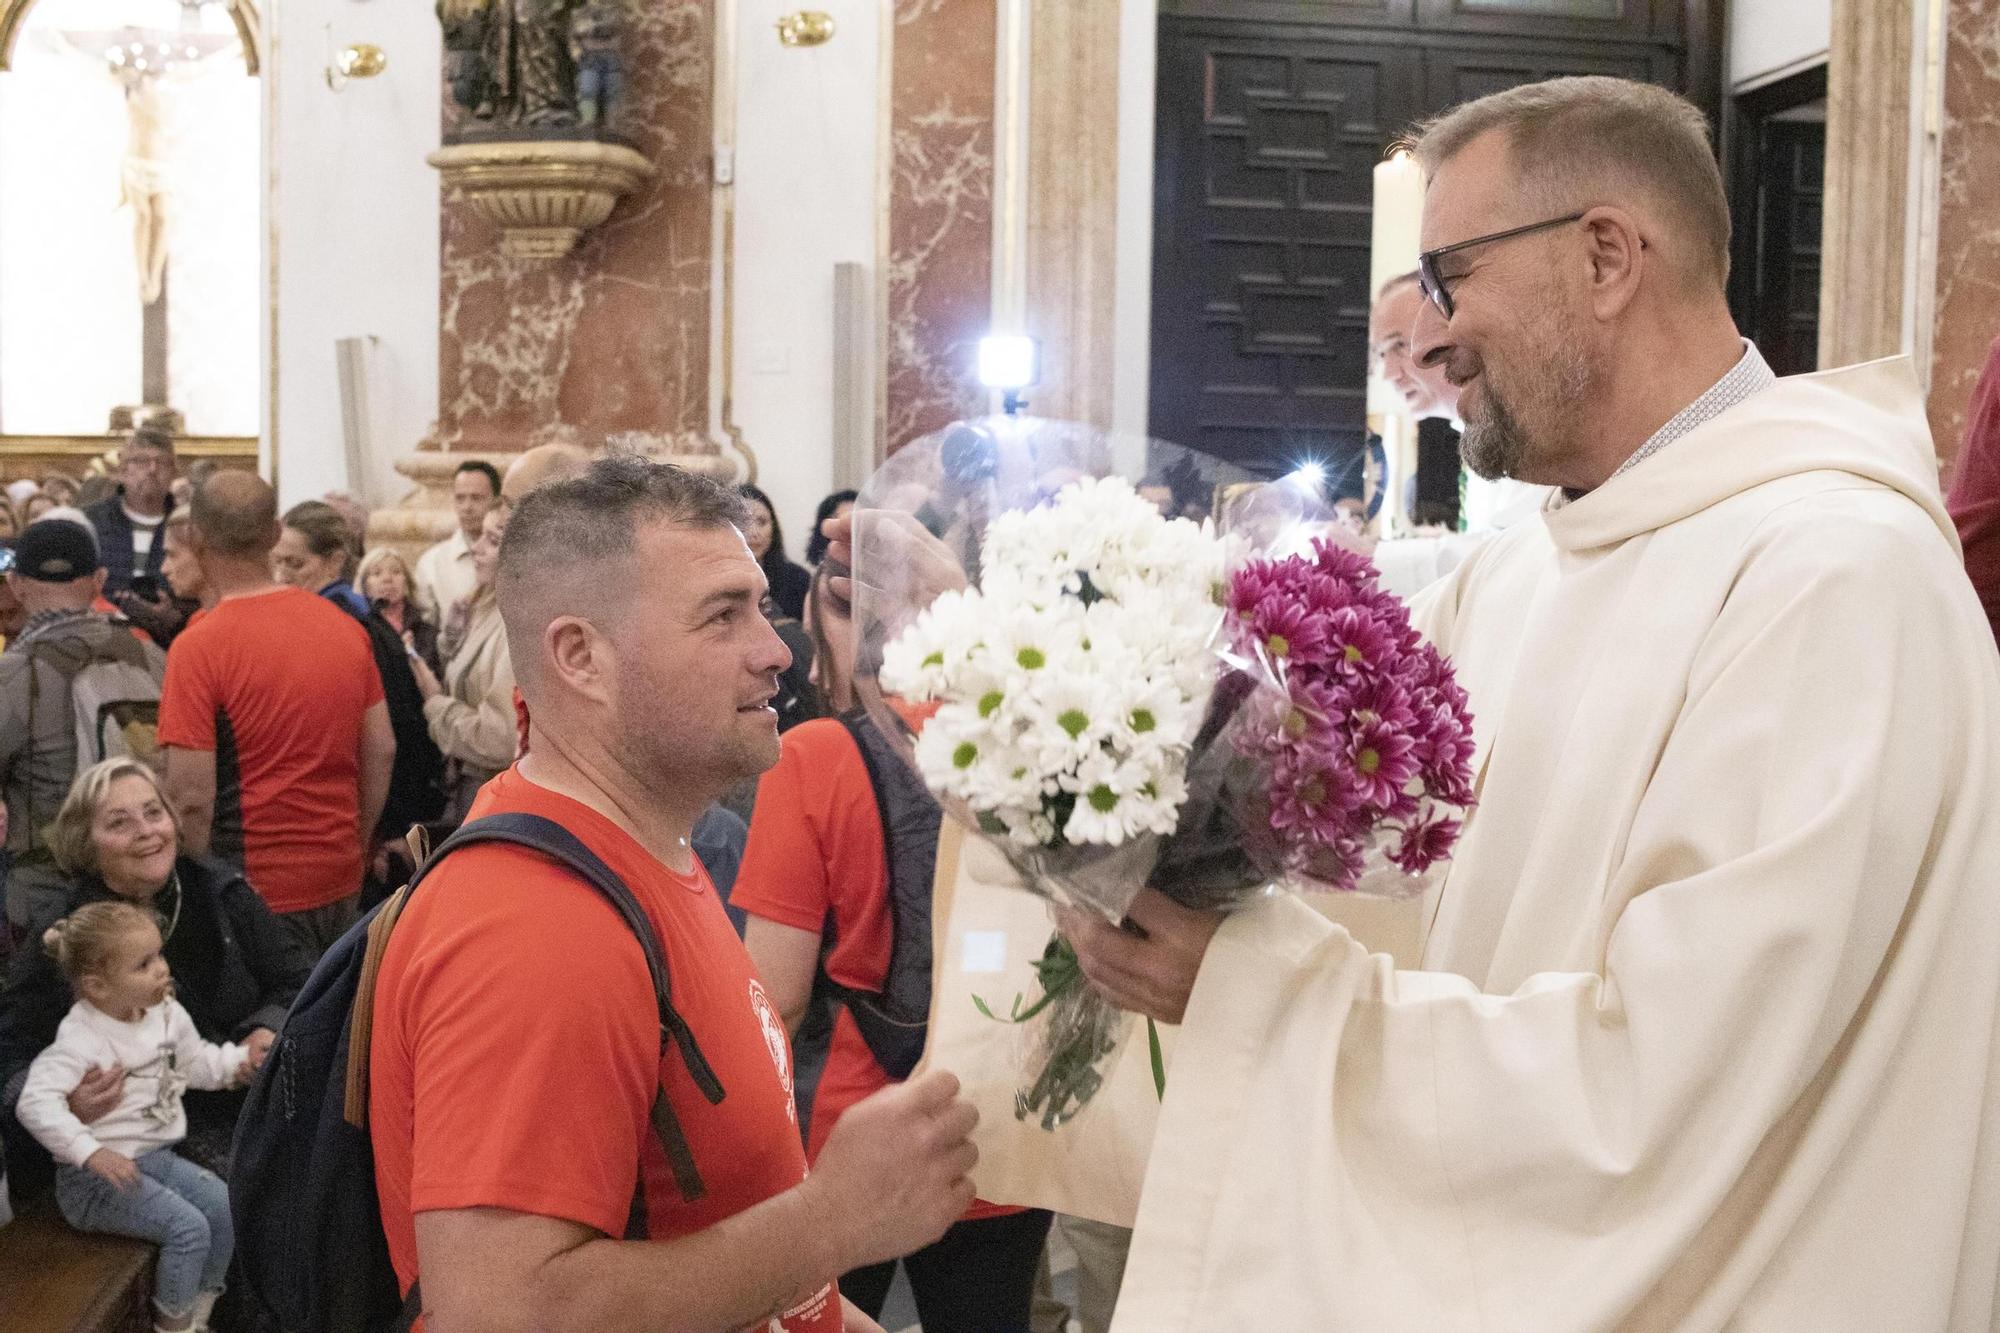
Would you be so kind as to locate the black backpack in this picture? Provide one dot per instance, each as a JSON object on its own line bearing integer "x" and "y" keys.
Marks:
{"x": 895, "y": 1020}
{"x": 302, "y": 1180}
{"x": 416, "y": 781}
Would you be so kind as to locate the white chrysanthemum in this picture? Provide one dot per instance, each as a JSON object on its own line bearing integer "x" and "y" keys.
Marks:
{"x": 1118, "y": 801}
{"x": 1075, "y": 675}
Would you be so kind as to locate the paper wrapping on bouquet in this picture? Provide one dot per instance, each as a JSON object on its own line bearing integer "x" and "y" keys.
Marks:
{"x": 987, "y": 932}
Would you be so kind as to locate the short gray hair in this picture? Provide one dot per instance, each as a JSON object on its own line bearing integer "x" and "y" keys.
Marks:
{"x": 566, "y": 533}
{"x": 1567, "y": 135}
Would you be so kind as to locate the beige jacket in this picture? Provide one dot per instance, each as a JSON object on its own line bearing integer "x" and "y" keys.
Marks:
{"x": 473, "y": 720}
{"x": 1706, "y": 1030}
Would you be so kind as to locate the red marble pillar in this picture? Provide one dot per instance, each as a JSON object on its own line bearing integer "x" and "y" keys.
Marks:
{"x": 939, "y": 284}
{"x": 613, "y": 337}
{"x": 1968, "y": 242}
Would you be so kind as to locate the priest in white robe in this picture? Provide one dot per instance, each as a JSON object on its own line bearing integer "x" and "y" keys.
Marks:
{"x": 1704, "y": 1033}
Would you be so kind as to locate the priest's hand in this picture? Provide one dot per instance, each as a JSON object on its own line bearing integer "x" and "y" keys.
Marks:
{"x": 1148, "y": 967}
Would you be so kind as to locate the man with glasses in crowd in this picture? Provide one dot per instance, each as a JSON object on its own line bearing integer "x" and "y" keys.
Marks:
{"x": 128, "y": 527}
{"x": 1701, "y": 1033}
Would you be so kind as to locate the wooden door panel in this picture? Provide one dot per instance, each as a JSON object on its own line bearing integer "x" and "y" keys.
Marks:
{"x": 1454, "y": 75}
{"x": 1268, "y": 149}
{"x": 1601, "y": 20}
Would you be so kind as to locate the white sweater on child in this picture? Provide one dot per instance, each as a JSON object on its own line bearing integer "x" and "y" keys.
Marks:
{"x": 162, "y": 1056}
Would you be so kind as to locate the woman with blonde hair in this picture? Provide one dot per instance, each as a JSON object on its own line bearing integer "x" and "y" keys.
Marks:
{"x": 236, "y": 968}
{"x": 384, "y": 578}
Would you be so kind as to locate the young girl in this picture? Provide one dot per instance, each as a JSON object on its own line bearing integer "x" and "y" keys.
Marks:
{"x": 119, "y": 1174}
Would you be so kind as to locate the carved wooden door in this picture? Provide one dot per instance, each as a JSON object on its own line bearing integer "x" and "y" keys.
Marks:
{"x": 1268, "y": 143}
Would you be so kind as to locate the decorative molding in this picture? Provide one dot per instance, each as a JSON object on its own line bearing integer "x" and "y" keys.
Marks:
{"x": 243, "y": 13}
{"x": 542, "y": 194}
{"x": 90, "y": 446}
{"x": 1867, "y": 182}
{"x": 1072, "y": 206}
{"x": 722, "y": 277}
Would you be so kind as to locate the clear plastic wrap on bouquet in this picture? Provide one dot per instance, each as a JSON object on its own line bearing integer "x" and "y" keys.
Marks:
{"x": 1131, "y": 665}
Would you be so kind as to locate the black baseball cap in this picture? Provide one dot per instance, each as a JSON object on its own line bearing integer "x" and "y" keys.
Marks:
{"x": 56, "y": 550}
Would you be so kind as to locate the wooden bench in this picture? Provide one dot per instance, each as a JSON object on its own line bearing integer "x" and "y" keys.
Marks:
{"x": 57, "y": 1280}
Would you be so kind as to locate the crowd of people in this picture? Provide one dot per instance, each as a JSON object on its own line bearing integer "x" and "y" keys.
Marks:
{"x": 217, "y": 722}
{"x": 1701, "y": 1030}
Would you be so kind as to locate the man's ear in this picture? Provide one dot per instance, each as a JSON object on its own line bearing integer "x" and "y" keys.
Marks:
{"x": 97, "y": 581}
{"x": 1616, "y": 254}
{"x": 580, "y": 657}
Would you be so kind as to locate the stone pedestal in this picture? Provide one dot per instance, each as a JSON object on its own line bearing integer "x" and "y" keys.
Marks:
{"x": 424, "y": 516}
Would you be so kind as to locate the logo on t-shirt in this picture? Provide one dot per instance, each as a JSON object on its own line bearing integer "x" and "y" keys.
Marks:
{"x": 775, "y": 1041}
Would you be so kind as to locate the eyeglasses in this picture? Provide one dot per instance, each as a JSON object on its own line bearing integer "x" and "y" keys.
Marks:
{"x": 1432, "y": 282}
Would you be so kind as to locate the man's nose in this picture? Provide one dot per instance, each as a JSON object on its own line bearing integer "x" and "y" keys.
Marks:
{"x": 1430, "y": 340}
{"x": 774, "y": 655}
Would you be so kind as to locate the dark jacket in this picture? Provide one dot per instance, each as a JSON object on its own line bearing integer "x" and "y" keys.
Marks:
{"x": 789, "y": 585}
{"x": 114, "y": 540}
{"x": 236, "y": 967}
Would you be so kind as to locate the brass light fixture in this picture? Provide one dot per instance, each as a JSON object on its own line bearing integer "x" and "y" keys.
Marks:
{"x": 808, "y": 27}
{"x": 362, "y": 60}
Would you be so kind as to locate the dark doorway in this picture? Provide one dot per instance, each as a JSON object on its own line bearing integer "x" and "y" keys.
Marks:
{"x": 1778, "y": 175}
{"x": 1271, "y": 118}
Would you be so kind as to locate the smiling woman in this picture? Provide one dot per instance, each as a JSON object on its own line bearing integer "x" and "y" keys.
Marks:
{"x": 236, "y": 968}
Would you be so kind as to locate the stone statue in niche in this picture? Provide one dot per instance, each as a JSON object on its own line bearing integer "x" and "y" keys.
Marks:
{"x": 464, "y": 52}
{"x": 594, "y": 31}
{"x": 511, "y": 65}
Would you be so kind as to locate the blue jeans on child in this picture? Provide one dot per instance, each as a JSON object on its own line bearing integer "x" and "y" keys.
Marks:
{"x": 177, "y": 1205}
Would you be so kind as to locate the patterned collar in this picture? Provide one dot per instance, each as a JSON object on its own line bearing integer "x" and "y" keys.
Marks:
{"x": 1750, "y": 375}
{"x": 44, "y": 621}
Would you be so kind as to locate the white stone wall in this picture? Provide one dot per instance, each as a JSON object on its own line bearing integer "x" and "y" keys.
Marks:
{"x": 353, "y": 213}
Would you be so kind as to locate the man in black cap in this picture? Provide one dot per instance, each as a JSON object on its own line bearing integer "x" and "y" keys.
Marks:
{"x": 57, "y": 575}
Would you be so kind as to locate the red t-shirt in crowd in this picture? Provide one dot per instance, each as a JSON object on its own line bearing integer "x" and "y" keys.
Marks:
{"x": 516, "y": 1047}
{"x": 815, "y": 852}
{"x": 275, "y": 685}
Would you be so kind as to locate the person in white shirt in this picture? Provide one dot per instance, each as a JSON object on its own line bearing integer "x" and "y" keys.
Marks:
{"x": 445, "y": 574}
{"x": 119, "y": 1175}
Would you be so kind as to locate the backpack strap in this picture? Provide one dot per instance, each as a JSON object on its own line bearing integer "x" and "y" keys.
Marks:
{"x": 559, "y": 845}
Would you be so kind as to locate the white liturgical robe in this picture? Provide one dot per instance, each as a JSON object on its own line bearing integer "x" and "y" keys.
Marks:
{"x": 1704, "y": 1035}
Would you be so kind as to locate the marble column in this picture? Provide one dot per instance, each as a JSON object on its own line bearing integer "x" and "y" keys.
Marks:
{"x": 1072, "y": 205}
{"x": 1867, "y": 181}
{"x": 610, "y": 341}
{"x": 1968, "y": 215}
{"x": 938, "y": 283}
{"x": 608, "y": 345}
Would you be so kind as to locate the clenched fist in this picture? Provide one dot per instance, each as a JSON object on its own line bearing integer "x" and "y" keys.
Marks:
{"x": 895, "y": 1173}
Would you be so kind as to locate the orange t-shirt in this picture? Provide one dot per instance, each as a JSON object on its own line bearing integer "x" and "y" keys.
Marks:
{"x": 815, "y": 852}
{"x": 517, "y": 1047}
{"x": 275, "y": 685}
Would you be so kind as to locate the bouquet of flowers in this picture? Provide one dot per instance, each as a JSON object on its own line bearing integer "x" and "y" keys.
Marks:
{"x": 1122, "y": 690}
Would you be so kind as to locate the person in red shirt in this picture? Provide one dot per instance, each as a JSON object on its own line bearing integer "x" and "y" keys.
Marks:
{"x": 277, "y": 741}
{"x": 816, "y": 864}
{"x": 516, "y": 1049}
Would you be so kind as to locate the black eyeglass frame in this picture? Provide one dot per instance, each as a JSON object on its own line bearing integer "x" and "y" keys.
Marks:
{"x": 1431, "y": 282}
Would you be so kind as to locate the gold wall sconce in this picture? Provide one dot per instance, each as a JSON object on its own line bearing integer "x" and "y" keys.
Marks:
{"x": 808, "y": 27}
{"x": 362, "y": 60}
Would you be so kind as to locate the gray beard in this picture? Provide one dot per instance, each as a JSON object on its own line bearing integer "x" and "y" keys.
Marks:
{"x": 1500, "y": 446}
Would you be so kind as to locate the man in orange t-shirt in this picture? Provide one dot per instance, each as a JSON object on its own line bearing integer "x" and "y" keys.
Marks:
{"x": 278, "y": 743}
{"x": 815, "y": 865}
{"x": 516, "y": 1054}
